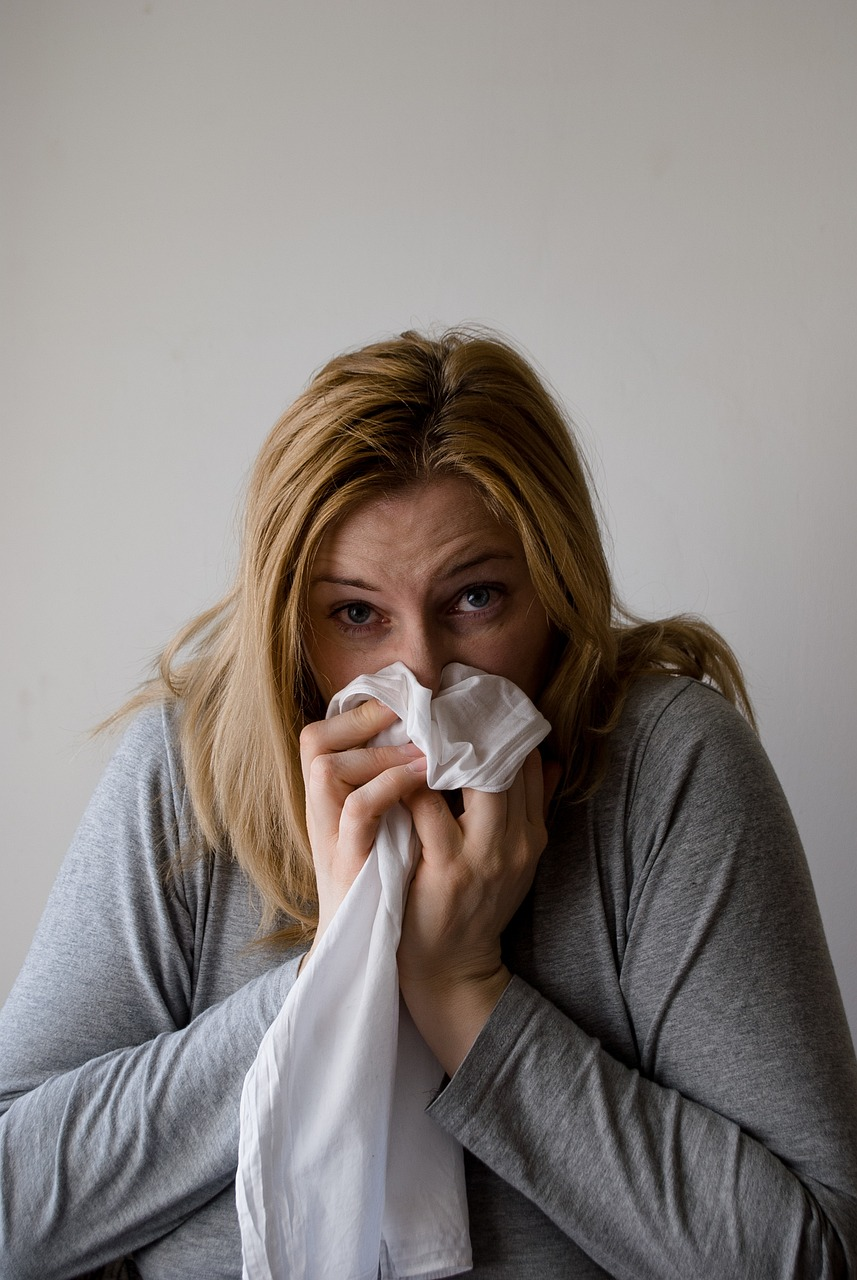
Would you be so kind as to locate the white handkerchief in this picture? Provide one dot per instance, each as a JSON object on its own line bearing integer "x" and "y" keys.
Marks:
{"x": 341, "y": 1175}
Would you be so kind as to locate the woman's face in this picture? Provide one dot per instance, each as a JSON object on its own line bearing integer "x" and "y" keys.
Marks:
{"x": 426, "y": 576}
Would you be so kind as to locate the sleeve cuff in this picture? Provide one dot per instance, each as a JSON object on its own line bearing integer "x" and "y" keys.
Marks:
{"x": 489, "y": 1057}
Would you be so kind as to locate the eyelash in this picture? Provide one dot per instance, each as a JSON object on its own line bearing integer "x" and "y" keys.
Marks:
{"x": 364, "y": 628}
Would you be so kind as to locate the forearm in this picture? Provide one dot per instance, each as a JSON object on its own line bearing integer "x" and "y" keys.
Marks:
{"x": 450, "y": 1012}
{"x": 104, "y": 1158}
{"x": 645, "y": 1181}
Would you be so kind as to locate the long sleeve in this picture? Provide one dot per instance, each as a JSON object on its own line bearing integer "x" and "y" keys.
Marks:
{"x": 692, "y": 1114}
{"x": 120, "y": 1068}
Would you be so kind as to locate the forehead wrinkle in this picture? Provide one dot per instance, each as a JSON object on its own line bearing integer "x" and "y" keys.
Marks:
{"x": 433, "y": 572}
{"x": 430, "y": 534}
{"x": 454, "y": 571}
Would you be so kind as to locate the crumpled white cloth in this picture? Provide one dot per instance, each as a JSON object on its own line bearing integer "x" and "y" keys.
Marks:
{"x": 341, "y": 1175}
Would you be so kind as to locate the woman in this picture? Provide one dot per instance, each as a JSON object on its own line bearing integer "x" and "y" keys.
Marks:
{"x": 650, "y": 1070}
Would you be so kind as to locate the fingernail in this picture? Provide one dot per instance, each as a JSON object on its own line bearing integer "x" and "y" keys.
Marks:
{"x": 418, "y": 766}
{"x": 409, "y": 749}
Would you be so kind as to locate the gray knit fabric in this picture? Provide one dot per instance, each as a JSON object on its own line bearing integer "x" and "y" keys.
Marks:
{"x": 667, "y": 1088}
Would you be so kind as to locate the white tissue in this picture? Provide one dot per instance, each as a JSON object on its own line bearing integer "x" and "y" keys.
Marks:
{"x": 340, "y": 1171}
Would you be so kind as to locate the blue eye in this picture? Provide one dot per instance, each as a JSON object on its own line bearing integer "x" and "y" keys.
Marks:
{"x": 358, "y": 613}
{"x": 478, "y": 597}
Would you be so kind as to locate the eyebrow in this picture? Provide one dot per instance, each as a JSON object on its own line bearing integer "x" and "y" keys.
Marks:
{"x": 360, "y": 584}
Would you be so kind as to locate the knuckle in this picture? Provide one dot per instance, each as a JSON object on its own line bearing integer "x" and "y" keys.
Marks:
{"x": 460, "y": 885}
{"x": 309, "y": 738}
{"x": 373, "y": 715}
{"x": 356, "y": 807}
{"x": 366, "y": 712}
{"x": 493, "y": 869}
{"x": 435, "y": 802}
{"x": 358, "y": 823}
{"x": 322, "y": 770}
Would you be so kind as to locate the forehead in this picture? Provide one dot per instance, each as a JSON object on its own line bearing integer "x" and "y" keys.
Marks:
{"x": 429, "y": 524}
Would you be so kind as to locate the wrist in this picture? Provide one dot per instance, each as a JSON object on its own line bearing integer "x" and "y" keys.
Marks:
{"x": 451, "y": 1009}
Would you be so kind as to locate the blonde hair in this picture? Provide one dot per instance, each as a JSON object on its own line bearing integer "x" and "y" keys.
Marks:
{"x": 391, "y": 414}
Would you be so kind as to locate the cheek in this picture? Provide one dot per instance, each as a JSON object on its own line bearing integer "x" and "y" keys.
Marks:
{"x": 327, "y": 667}
{"x": 533, "y": 658}
{"x": 335, "y": 665}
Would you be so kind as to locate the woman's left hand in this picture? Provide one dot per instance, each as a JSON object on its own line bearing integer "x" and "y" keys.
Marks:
{"x": 473, "y": 874}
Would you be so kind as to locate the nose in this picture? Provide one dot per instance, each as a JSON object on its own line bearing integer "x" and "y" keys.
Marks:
{"x": 426, "y": 650}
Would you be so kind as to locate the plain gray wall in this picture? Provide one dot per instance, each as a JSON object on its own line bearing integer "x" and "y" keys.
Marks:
{"x": 204, "y": 200}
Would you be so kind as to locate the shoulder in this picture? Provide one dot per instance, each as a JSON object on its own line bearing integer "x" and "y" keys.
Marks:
{"x": 137, "y": 820}
{"x": 662, "y": 704}
{"x": 683, "y": 763}
{"x": 144, "y": 776}
{"x": 673, "y": 725}
{"x": 140, "y": 834}
{"x": 151, "y": 741}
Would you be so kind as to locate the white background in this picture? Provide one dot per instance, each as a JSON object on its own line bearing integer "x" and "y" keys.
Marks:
{"x": 203, "y": 200}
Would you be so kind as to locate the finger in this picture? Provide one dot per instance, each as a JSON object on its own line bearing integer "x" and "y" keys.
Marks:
{"x": 437, "y": 829}
{"x": 525, "y": 797}
{"x": 517, "y": 799}
{"x": 340, "y": 858}
{"x": 532, "y": 777}
{"x": 333, "y": 777}
{"x": 343, "y": 770}
{"x": 350, "y": 729}
{"x": 364, "y": 807}
{"x": 552, "y": 771}
{"x": 488, "y": 811}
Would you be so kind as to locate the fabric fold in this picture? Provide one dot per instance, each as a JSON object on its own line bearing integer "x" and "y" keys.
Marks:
{"x": 340, "y": 1171}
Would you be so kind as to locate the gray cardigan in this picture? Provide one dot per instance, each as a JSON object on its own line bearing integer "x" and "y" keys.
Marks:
{"x": 667, "y": 1088}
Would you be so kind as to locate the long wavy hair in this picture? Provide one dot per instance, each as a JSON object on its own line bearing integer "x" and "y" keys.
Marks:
{"x": 389, "y": 415}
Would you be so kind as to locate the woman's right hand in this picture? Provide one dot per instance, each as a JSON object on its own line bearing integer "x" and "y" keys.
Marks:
{"x": 349, "y": 787}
